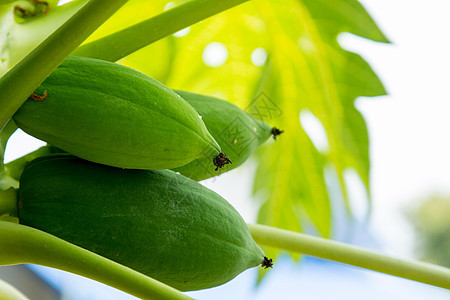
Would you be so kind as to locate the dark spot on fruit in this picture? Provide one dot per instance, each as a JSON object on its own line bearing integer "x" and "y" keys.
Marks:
{"x": 267, "y": 263}
{"x": 276, "y": 132}
{"x": 221, "y": 160}
{"x": 185, "y": 282}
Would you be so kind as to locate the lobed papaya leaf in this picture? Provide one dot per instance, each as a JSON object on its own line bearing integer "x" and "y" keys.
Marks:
{"x": 321, "y": 79}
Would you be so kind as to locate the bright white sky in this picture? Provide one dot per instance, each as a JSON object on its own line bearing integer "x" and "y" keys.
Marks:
{"x": 409, "y": 129}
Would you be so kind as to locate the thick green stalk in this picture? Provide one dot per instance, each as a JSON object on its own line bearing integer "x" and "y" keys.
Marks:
{"x": 28, "y": 74}
{"x": 22, "y": 244}
{"x": 8, "y": 130}
{"x": 347, "y": 254}
{"x": 8, "y": 202}
{"x": 133, "y": 38}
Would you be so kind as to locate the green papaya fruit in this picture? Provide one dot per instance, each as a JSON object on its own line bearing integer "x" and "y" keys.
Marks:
{"x": 110, "y": 114}
{"x": 237, "y": 133}
{"x": 157, "y": 222}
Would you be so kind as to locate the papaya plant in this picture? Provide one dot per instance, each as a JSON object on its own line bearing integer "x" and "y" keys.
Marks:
{"x": 61, "y": 81}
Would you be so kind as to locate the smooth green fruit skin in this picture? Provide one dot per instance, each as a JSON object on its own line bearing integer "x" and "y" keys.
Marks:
{"x": 114, "y": 115}
{"x": 157, "y": 222}
{"x": 237, "y": 133}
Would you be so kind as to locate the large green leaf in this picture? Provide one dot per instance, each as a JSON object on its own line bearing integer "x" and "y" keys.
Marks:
{"x": 306, "y": 71}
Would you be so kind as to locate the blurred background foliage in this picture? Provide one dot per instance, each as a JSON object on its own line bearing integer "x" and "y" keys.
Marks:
{"x": 431, "y": 220}
{"x": 280, "y": 61}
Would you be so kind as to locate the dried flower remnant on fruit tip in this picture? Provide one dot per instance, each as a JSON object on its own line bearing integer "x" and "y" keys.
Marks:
{"x": 221, "y": 160}
{"x": 25, "y": 13}
{"x": 37, "y": 97}
{"x": 267, "y": 263}
{"x": 276, "y": 132}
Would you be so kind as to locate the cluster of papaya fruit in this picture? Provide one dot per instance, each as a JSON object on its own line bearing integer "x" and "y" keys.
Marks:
{"x": 124, "y": 184}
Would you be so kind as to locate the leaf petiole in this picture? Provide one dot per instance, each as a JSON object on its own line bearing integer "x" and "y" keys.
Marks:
{"x": 8, "y": 202}
{"x": 122, "y": 43}
{"x": 351, "y": 255}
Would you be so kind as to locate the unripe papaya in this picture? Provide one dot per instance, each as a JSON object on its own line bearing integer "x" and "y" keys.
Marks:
{"x": 114, "y": 115}
{"x": 157, "y": 222}
{"x": 237, "y": 133}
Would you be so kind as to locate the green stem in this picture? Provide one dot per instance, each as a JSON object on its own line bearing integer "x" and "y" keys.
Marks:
{"x": 8, "y": 202}
{"x": 323, "y": 248}
{"x": 22, "y": 244}
{"x": 15, "y": 168}
{"x": 8, "y": 130}
{"x": 28, "y": 74}
{"x": 133, "y": 38}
